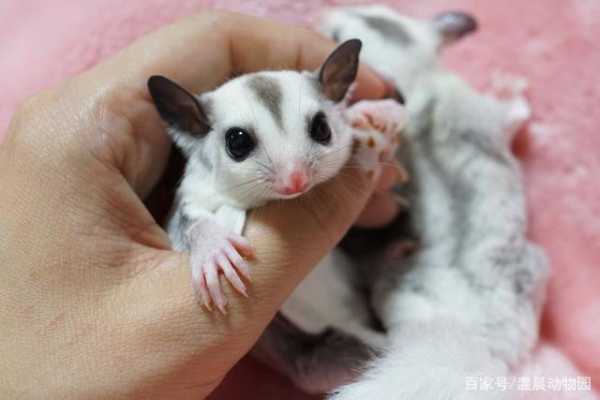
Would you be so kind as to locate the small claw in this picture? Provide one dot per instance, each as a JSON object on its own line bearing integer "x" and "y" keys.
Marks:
{"x": 199, "y": 286}
{"x": 202, "y": 292}
{"x": 222, "y": 308}
{"x": 214, "y": 287}
{"x": 238, "y": 262}
{"x": 231, "y": 274}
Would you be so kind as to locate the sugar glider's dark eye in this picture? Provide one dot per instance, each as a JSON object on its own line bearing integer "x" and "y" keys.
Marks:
{"x": 319, "y": 129}
{"x": 239, "y": 143}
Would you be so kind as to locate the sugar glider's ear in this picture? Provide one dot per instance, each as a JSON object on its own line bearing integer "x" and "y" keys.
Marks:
{"x": 339, "y": 71}
{"x": 453, "y": 25}
{"x": 178, "y": 108}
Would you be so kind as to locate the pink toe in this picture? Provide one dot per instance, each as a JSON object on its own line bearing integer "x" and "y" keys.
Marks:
{"x": 238, "y": 262}
{"x": 243, "y": 245}
{"x": 202, "y": 291}
{"x": 231, "y": 275}
{"x": 214, "y": 287}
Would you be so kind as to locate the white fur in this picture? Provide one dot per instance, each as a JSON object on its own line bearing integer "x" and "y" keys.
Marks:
{"x": 428, "y": 361}
{"x": 343, "y": 23}
{"x": 235, "y": 105}
{"x": 234, "y": 187}
{"x": 444, "y": 326}
{"x": 339, "y": 307}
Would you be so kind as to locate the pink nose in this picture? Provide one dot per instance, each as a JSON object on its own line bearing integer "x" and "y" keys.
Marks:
{"x": 297, "y": 182}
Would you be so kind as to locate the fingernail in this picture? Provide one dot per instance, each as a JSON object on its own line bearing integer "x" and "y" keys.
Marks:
{"x": 401, "y": 173}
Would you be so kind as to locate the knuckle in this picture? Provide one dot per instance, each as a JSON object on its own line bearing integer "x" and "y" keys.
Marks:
{"x": 43, "y": 121}
{"x": 218, "y": 20}
{"x": 28, "y": 112}
{"x": 26, "y": 109}
{"x": 32, "y": 105}
{"x": 31, "y": 128}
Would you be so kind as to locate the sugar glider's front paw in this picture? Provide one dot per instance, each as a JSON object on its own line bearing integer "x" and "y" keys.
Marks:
{"x": 214, "y": 250}
{"x": 377, "y": 126}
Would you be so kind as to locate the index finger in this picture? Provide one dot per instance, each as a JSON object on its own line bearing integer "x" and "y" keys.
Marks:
{"x": 257, "y": 44}
{"x": 203, "y": 51}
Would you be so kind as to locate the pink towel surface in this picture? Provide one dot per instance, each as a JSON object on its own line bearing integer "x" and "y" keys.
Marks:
{"x": 553, "y": 43}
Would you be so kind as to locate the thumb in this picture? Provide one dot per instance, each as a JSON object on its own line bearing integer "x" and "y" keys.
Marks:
{"x": 290, "y": 238}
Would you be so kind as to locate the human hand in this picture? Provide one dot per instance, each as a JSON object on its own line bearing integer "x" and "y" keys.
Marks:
{"x": 95, "y": 304}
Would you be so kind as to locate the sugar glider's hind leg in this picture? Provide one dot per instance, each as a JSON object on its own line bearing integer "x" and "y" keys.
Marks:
{"x": 316, "y": 363}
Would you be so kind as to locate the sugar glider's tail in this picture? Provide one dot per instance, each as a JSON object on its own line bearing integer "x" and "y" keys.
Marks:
{"x": 431, "y": 361}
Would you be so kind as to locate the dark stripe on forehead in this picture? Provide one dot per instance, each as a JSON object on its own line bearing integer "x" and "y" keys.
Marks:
{"x": 390, "y": 29}
{"x": 269, "y": 93}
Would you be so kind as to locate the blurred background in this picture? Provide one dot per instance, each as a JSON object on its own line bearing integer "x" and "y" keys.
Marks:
{"x": 555, "y": 44}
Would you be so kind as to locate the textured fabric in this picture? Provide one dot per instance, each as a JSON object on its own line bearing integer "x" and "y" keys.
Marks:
{"x": 554, "y": 43}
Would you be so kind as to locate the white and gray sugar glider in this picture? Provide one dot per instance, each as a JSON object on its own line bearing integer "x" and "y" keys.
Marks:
{"x": 466, "y": 303}
{"x": 259, "y": 137}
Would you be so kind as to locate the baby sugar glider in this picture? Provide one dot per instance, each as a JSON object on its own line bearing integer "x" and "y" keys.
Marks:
{"x": 468, "y": 301}
{"x": 259, "y": 137}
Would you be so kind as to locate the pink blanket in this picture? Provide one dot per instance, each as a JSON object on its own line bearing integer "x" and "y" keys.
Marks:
{"x": 554, "y": 43}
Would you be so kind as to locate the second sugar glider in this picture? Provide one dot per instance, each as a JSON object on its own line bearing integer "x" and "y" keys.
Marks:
{"x": 467, "y": 303}
{"x": 259, "y": 137}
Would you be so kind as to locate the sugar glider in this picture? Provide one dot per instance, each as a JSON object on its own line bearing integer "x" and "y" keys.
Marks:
{"x": 259, "y": 137}
{"x": 467, "y": 302}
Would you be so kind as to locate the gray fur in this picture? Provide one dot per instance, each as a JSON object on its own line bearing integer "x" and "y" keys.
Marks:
{"x": 482, "y": 145}
{"x": 475, "y": 270}
{"x": 204, "y": 160}
{"x": 178, "y": 225}
{"x": 268, "y": 92}
{"x": 389, "y": 29}
{"x": 317, "y": 363}
{"x": 475, "y": 286}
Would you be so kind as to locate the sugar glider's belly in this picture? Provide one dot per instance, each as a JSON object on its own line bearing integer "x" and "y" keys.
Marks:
{"x": 327, "y": 298}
